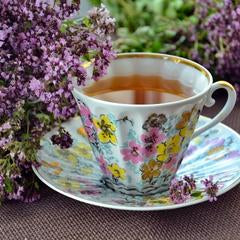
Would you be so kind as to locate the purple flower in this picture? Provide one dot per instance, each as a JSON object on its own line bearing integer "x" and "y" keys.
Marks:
{"x": 35, "y": 196}
{"x": 44, "y": 57}
{"x": 63, "y": 139}
{"x": 17, "y": 194}
{"x": 219, "y": 50}
{"x": 36, "y": 86}
{"x": 43, "y": 45}
{"x": 6, "y": 126}
{"x": 1, "y": 179}
{"x": 180, "y": 190}
{"x": 191, "y": 182}
{"x": 211, "y": 188}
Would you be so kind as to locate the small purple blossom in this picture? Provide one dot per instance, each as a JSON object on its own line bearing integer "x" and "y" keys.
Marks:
{"x": 211, "y": 188}
{"x": 1, "y": 180}
{"x": 191, "y": 182}
{"x": 180, "y": 190}
{"x": 63, "y": 139}
{"x": 35, "y": 196}
{"x": 17, "y": 194}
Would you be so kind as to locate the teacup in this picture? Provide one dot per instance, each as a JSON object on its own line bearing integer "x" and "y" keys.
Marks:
{"x": 140, "y": 147}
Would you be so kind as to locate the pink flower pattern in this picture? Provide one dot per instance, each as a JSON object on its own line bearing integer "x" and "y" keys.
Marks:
{"x": 133, "y": 153}
{"x": 150, "y": 139}
{"x": 172, "y": 164}
{"x": 85, "y": 112}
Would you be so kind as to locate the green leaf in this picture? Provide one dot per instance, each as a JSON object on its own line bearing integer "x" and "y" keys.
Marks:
{"x": 67, "y": 24}
{"x": 87, "y": 22}
{"x": 44, "y": 118}
{"x": 36, "y": 185}
{"x": 2, "y": 82}
{"x": 63, "y": 28}
{"x": 25, "y": 136}
{"x": 8, "y": 185}
{"x": 95, "y": 2}
{"x": 197, "y": 194}
{"x": 27, "y": 25}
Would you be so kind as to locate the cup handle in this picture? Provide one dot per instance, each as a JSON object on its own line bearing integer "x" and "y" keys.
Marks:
{"x": 232, "y": 96}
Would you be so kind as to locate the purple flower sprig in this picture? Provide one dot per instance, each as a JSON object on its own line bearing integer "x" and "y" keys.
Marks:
{"x": 43, "y": 45}
{"x": 211, "y": 188}
{"x": 63, "y": 138}
{"x": 181, "y": 190}
{"x": 217, "y": 38}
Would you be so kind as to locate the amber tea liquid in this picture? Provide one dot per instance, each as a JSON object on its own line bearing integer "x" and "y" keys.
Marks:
{"x": 138, "y": 89}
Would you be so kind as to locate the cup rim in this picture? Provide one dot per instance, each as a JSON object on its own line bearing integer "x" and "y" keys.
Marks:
{"x": 173, "y": 58}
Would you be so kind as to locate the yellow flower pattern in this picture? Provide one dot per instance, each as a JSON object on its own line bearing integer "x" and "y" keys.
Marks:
{"x": 83, "y": 150}
{"x": 117, "y": 172}
{"x": 187, "y": 123}
{"x": 86, "y": 171}
{"x": 57, "y": 170}
{"x": 215, "y": 150}
{"x": 171, "y": 146}
{"x": 69, "y": 184}
{"x": 73, "y": 159}
{"x": 186, "y": 132}
{"x": 151, "y": 169}
{"x": 69, "y": 155}
{"x": 106, "y": 128}
{"x": 154, "y": 201}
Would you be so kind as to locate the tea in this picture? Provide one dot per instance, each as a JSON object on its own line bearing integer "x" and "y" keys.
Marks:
{"x": 138, "y": 89}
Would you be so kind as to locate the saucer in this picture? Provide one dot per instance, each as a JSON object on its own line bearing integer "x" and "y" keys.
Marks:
{"x": 75, "y": 173}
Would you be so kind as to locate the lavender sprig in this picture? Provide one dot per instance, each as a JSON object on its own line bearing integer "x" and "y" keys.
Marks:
{"x": 217, "y": 38}
{"x": 43, "y": 45}
{"x": 211, "y": 188}
{"x": 63, "y": 138}
{"x": 181, "y": 190}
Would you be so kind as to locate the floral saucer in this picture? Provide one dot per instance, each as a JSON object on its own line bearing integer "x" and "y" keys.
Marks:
{"x": 75, "y": 173}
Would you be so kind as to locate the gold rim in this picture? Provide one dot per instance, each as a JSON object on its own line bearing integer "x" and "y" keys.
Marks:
{"x": 172, "y": 58}
{"x": 226, "y": 84}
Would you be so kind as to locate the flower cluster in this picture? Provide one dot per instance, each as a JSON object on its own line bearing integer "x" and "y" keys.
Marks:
{"x": 182, "y": 190}
{"x": 63, "y": 139}
{"x": 43, "y": 48}
{"x": 217, "y": 38}
{"x": 211, "y": 188}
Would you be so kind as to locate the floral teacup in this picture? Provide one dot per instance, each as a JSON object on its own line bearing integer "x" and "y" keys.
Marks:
{"x": 140, "y": 147}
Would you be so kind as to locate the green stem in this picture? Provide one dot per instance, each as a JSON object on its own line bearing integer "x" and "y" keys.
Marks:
{"x": 28, "y": 123}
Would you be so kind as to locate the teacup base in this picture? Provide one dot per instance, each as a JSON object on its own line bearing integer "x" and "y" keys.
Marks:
{"x": 146, "y": 190}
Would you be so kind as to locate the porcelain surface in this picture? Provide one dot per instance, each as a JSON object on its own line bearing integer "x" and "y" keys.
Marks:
{"x": 76, "y": 173}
